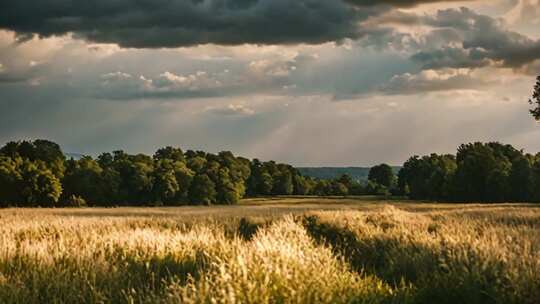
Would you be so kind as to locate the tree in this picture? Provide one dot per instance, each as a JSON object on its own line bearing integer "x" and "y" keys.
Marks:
{"x": 383, "y": 175}
{"x": 10, "y": 180}
{"x": 39, "y": 186}
{"x": 184, "y": 178}
{"x": 266, "y": 183}
{"x": 283, "y": 184}
{"x": 322, "y": 188}
{"x": 429, "y": 177}
{"x": 535, "y": 180}
{"x": 339, "y": 188}
{"x": 196, "y": 163}
{"x": 227, "y": 191}
{"x": 520, "y": 179}
{"x": 535, "y": 100}
{"x": 346, "y": 180}
{"x": 302, "y": 185}
{"x": 83, "y": 179}
{"x": 48, "y": 152}
{"x": 171, "y": 153}
{"x": 136, "y": 181}
{"x": 165, "y": 186}
{"x": 203, "y": 190}
{"x": 483, "y": 171}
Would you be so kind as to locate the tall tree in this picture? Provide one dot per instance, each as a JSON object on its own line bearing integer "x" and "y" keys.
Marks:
{"x": 171, "y": 153}
{"x": 383, "y": 175}
{"x": 535, "y": 100}
{"x": 83, "y": 179}
{"x": 203, "y": 190}
{"x": 10, "y": 180}
{"x": 40, "y": 187}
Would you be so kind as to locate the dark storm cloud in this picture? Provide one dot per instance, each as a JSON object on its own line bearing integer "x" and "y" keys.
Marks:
{"x": 165, "y": 23}
{"x": 398, "y": 3}
{"x": 484, "y": 41}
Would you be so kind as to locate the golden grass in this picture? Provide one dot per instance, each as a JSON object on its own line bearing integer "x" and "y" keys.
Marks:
{"x": 334, "y": 251}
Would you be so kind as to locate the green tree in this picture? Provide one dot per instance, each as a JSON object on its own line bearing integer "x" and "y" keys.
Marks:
{"x": 535, "y": 179}
{"x": 429, "y": 177}
{"x": 302, "y": 185}
{"x": 165, "y": 186}
{"x": 184, "y": 178}
{"x": 227, "y": 191}
{"x": 283, "y": 184}
{"x": 10, "y": 180}
{"x": 48, "y": 152}
{"x": 535, "y": 100}
{"x": 40, "y": 187}
{"x": 520, "y": 179}
{"x": 174, "y": 154}
{"x": 136, "y": 181}
{"x": 197, "y": 164}
{"x": 383, "y": 175}
{"x": 322, "y": 188}
{"x": 483, "y": 171}
{"x": 339, "y": 188}
{"x": 83, "y": 179}
{"x": 203, "y": 190}
{"x": 266, "y": 184}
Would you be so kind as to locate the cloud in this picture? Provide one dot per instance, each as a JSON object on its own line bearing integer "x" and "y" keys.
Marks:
{"x": 433, "y": 80}
{"x": 162, "y": 23}
{"x": 231, "y": 110}
{"x": 399, "y": 3}
{"x": 27, "y": 73}
{"x": 532, "y": 69}
{"x": 524, "y": 11}
{"x": 450, "y": 57}
{"x": 116, "y": 76}
{"x": 259, "y": 75}
{"x": 485, "y": 41}
{"x": 122, "y": 85}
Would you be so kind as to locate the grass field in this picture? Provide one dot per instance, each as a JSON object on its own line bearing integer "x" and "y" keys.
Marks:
{"x": 286, "y": 250}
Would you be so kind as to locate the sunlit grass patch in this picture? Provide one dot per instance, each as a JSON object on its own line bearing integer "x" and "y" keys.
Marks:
{"x": 399, "y": 253}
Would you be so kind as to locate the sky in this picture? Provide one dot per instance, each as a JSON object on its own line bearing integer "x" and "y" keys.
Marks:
{"x": 307, "y": 82}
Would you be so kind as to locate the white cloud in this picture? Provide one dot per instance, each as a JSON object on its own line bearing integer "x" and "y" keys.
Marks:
{"x": 197, "y": 81}
{"x": 434, "y": 80}
{"x": 231, "y": 109}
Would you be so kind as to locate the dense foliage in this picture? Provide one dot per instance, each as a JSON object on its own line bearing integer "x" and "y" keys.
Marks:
{"x": 356, "y": 173}
{"x": 535, "y": 100}
{"x": 490, "y": 172}
{"x": 36, "y": 173}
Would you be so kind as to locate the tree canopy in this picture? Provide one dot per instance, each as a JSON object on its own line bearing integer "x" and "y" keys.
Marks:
{"x": 36, "y": 173}
{"x": 535, "y": 100}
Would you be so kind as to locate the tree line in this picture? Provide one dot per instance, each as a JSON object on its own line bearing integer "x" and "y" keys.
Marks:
{"x": 37, "y": 173}
{"x": 479, "y": 172}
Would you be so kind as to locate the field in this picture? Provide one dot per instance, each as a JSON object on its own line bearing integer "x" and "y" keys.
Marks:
{"x": 284, "y": 250}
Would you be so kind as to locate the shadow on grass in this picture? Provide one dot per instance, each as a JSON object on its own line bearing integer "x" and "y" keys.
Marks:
{"x": 128, "y": 279}
{"x": 444, "y": 275}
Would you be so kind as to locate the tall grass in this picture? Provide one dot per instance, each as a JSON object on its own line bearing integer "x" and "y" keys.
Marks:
{"x": 451, "y": 256}
{"x": 383, "y": 254}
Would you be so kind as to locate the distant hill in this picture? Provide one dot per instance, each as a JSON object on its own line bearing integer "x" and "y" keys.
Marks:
{"x": 357, "y": 173}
